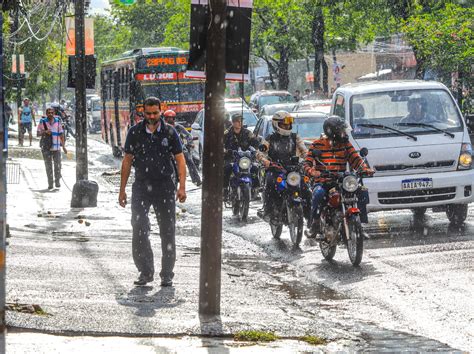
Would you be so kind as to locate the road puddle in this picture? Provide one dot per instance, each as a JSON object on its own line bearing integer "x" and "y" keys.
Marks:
{"x": 285, "y": 280}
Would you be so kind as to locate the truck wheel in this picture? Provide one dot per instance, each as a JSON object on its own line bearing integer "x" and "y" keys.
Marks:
{"x": 456, "y": 213}
{"x": 419, "y": 213}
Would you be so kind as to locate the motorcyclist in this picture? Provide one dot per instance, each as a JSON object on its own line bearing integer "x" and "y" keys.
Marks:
{"x": 188, "y": 145}
{"x": 336, "y": 152}
{"x": 280, "y": 147}
{"x": 236, "y": 137}
{"x": 60, "y": 112}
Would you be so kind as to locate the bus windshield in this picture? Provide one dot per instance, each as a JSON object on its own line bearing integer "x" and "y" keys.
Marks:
{"x": 174, "y": 92}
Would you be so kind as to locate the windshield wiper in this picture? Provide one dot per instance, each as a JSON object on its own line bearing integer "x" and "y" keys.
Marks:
{"x": 384, "y": 127}
{"x": 425, "y": 125}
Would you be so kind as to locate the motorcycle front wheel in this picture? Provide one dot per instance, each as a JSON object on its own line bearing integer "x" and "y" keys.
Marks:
{"x": 244, "y": 193}
{"x": 276, "y": 230}
{"x": 295, "y": 223}
{"x": 355, "y": 240}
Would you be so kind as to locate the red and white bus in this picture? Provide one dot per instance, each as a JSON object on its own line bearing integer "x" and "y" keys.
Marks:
{"x": 138, "y": 74}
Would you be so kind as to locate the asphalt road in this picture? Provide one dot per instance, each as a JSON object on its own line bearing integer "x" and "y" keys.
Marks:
{"x": 413, "y": 289}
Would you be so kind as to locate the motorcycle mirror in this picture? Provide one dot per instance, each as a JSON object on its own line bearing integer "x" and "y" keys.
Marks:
{"x": 262, "y": 147}
{"x": 364, "y": 152}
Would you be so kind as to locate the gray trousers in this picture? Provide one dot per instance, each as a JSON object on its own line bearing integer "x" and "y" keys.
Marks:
{"x": 49, "y": 157}
{"x": 160, "y": 195}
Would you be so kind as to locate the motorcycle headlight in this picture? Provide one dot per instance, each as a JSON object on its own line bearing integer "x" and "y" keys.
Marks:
{"x": 244, "y": 163}
{"x": 350, "y": 184}
{"x": 293, "y": 179}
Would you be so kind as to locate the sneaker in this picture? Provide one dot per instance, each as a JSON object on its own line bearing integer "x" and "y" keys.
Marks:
{"x": 166, "y": 282}
{"x": 141, "y": 281}
{"x": 50, "y": 187}
{"x": 365, "y": 235}
{"x": 58, "y": 185}
{"x": 314, "y": 230}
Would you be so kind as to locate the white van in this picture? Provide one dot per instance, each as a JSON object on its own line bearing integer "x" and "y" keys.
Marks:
{"x": 418, "y": 145}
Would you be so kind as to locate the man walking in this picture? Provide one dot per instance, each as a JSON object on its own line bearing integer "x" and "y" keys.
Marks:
{"x": 149, "y": 147}
{"x": 52, "y": 138}
{"x": 26, "y": 116}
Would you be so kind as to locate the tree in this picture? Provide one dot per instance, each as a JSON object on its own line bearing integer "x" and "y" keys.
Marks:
{"x": 444, "y": 41}
{"x": 146, "y": 21}
{"x": 277, "y": 33}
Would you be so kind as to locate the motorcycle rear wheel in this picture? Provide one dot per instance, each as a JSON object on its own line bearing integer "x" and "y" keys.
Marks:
{"x": 295, "y": 223}
{"x": 355, "y": 241}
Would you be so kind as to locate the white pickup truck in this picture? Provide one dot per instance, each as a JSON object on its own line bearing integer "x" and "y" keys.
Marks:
{"x": 418, "y": 145}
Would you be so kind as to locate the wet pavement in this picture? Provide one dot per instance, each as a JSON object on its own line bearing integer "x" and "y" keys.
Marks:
{"x": 412, "y": 292}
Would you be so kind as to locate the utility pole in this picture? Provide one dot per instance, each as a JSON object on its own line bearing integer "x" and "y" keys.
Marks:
{"x": 17, "y": 76}
{"x": 213, "y": 162}
{"x": 3, "y": 195}
{"x": 84, "y": 192}
{"x": 80, "y": 82}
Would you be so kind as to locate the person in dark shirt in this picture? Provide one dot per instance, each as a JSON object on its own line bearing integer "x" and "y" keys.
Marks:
{"x": 234, "y": 138}
{"x": 150, "y": 147}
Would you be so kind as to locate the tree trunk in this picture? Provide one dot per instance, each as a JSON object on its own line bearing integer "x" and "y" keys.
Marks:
{"x": 271, "y": 72}
{"x": 325, "y": 76}
{"x": 283, "y": 78}
{"x": 318, "y": 44}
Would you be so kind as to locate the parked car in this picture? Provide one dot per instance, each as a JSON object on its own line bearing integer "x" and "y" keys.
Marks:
{"x": 197, "y": 128}
{"x": 94, "y": 115}
{"x": 308, "y": 125}
{"x": 418, "y": 145}
{"x": 264, "y": 97}
{"x": 323, "y": 106}
{"x": 271, "y": 109}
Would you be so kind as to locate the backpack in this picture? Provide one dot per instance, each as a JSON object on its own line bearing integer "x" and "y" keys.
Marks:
{"x": 46, "y": 141}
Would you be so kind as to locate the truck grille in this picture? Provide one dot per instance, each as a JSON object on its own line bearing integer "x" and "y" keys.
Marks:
{"x": 417, "y": 196}
{"x": 401, "y": 167}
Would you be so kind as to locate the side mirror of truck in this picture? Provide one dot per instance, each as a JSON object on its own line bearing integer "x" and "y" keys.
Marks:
{"x": 262, "y": 148}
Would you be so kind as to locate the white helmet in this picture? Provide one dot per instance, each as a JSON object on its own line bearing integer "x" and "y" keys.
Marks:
{"x": 282, "y": 117}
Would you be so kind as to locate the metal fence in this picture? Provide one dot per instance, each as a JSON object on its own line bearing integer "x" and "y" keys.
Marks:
{"x": 13, "y": 172}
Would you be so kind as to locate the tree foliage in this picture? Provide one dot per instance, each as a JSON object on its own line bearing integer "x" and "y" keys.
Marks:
{"x": 444, "y": 39}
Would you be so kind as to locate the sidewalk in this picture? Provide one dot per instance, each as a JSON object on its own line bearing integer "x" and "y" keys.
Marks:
{"x": 76, "y": 264}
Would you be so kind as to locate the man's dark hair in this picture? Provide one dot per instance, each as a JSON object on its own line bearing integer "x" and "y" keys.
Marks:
{"x": 152, "y": 101}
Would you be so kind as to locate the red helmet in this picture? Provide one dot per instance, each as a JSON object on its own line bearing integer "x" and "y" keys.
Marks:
{"x": 169, "y": 113}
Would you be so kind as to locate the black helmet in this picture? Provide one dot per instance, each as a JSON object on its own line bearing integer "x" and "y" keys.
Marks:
{"x": 335, "y": 128}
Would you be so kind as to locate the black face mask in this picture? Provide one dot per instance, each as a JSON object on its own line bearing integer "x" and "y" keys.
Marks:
{"x": 341, "y": 138}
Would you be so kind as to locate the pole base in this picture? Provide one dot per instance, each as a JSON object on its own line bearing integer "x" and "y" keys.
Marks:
{"x": 84, "y": 194}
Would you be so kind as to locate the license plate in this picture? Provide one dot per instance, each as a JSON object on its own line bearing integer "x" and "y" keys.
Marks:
{"x": 420, "y": 183}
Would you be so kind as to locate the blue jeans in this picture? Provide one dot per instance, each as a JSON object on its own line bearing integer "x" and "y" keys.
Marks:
{"x": 320, "y": 192}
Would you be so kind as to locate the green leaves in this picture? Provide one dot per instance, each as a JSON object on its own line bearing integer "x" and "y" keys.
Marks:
{"x": 444, "y": 38}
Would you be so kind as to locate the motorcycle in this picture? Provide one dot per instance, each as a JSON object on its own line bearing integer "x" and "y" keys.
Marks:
{"x": 240, "y": 183}
{"x": 289, "y": 207}
{"x": 340, "y": 216}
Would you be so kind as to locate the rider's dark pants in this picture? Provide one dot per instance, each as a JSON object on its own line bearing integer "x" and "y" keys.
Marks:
{"x": 193, "y": 170}
{"x": 270, "y": 194}
{"x": 319, "y": 193}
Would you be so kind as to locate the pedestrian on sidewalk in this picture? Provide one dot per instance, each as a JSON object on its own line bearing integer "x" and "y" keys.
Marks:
{"x": 27, "y": 115}
{"x": 150, "y": 147}
{"x": 52, "y": 139}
